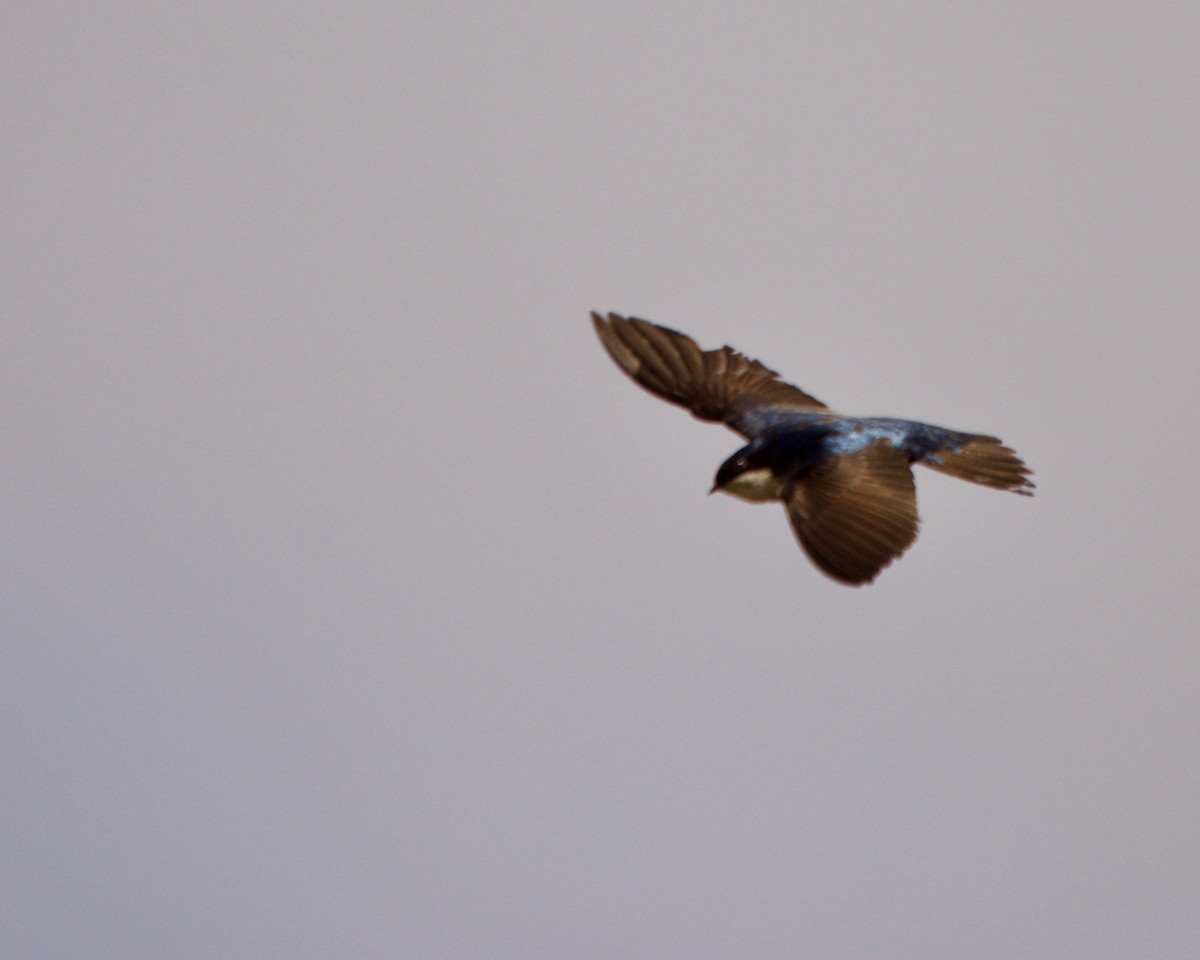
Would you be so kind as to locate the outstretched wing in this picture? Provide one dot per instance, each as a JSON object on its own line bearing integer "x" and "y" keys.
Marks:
{"x": 719, "y": 385}
{"x": 856, "y": 513}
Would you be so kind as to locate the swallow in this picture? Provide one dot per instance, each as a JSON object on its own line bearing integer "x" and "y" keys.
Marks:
{"x": 846, "y": 482}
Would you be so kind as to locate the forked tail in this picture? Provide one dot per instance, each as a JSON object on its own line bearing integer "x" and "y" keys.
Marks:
{"x": 982, "y": 460}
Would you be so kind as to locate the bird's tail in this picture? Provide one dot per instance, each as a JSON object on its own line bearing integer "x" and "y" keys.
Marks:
{"x": 983, "y": 460}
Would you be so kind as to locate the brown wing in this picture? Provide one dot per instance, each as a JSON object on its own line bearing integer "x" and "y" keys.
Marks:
{"x": 856, "y": 513}
{"x": 721, "y": 385}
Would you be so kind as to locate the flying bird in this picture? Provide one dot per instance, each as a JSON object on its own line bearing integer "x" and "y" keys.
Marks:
{"x": 846, "y": 482}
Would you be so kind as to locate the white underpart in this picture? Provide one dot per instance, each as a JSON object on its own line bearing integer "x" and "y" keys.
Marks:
{"x": 757, "y": 486}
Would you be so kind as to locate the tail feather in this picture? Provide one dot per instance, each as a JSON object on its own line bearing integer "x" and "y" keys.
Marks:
{"x": 983, "y": 460}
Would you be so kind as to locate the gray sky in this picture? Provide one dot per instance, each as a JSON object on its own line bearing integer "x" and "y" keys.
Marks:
{"x": 356, "y": 605}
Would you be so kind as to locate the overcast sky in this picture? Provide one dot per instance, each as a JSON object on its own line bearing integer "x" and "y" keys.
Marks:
{"x": 356, "y": 605}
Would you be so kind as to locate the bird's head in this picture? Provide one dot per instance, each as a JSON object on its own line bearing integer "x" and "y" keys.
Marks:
{"x": 744, "y": 475}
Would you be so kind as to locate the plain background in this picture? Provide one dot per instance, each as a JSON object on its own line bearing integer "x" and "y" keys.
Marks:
{"x": 355, "y": 605}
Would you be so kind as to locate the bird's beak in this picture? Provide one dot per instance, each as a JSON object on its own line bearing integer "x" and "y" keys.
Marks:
{"x": 713, "y": 490}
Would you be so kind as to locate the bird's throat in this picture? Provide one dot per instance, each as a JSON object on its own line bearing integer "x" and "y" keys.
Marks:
{"x": 755, "y": 486}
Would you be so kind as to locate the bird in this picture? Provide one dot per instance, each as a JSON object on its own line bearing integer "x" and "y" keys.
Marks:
{"x": 846, "y": 482}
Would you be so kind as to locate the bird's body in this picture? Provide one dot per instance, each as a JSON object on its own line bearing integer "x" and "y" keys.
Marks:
{"x": 846, "y": 481}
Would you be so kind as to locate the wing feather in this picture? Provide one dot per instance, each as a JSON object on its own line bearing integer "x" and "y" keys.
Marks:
{"x": 718, "y": 385}
{"x": 856, "y": 513}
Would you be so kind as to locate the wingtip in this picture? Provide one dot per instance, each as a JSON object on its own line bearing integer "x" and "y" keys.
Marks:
{"x": 604, "y": 324}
